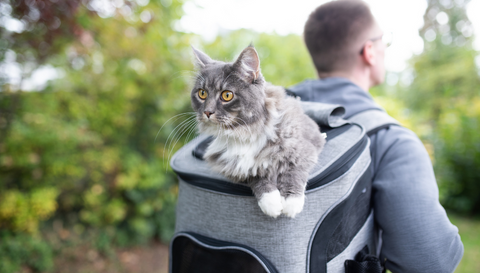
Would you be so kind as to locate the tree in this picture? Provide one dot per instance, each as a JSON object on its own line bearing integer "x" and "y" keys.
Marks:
{"x": 445, "y": 87}
{"x": 284, "y": 60}
{"x": 82, "y": 150}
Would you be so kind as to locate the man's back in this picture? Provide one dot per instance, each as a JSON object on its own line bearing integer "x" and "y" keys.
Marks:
{"x": 416, "y": 234}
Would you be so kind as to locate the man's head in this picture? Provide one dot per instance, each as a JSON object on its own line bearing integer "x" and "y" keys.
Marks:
{"x": 343, "y": 36}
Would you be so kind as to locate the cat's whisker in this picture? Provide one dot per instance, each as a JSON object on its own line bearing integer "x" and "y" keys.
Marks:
{"x": 179, "y": 115}
{"x": 181, "y": 131}
{"x": 186, "y": 128}
{"x": 178, "y": 134}
{"x": 192, "y": 130}
{"x": 174, "y": 132}
{"x": 169, "y": 141}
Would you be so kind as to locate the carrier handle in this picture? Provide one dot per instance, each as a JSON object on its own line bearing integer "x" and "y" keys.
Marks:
{"x": 328, "y": 115}
{"x": 324, "y": 114}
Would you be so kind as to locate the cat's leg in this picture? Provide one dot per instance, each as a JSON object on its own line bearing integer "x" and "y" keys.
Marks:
{"x": 267, "y": 194}
{"x": 292, "y": 188}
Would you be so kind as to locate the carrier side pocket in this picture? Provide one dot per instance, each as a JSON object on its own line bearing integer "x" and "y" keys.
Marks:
{"x": 191, "y": 252}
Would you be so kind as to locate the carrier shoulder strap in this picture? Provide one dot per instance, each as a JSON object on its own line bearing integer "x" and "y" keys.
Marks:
{"x": 373, "y": 120}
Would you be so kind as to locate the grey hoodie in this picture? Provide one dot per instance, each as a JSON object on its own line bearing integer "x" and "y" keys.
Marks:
{"x": 417, "y": 235}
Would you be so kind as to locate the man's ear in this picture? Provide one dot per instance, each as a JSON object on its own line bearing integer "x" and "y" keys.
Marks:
{"x": 369, "y": 54}
{"x": 248, "y": 63}
{"x": 202, "y": 59}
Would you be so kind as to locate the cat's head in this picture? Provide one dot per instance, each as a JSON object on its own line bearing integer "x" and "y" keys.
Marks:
{"x": 228, "y": 95}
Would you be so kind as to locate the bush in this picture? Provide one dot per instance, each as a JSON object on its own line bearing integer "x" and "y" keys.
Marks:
{"x": 22, "y": 212}
{"x": 82, "y": 150}
{"x": 459, "y": 156}
{"x": 24, "y": 250}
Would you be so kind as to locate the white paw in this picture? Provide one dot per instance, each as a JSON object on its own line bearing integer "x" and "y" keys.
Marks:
{"x": 293, "y": 205}
{"x": 271, "y": 203}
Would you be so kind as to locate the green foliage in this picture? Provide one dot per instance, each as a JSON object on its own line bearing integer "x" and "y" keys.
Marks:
{"x": 444, "y": 100}
{"x": 23, "y": 250}
{"x": 87, "y": 151}
{"x": 83, "y": 150}
{"x": 284, "y": 60}
{"x": 89, "y": 137}
{"x": 23, "y": 211}
{"x": 443, "y": 74}
{"x": 459, "y": 154}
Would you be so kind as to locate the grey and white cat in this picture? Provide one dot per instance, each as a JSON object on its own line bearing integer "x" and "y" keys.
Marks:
{"x": 262, "y": 137}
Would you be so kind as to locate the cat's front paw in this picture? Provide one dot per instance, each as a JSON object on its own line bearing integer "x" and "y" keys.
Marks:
{"x": 271, "y": 203}
{"x": 293, "y": 205}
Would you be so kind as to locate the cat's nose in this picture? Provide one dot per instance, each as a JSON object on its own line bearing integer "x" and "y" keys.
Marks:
{"x": 208, "y": 113}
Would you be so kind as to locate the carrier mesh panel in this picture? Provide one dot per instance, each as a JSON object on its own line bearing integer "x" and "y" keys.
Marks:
{"x": 191, "y": 257}
{"x": 351, "y": 223}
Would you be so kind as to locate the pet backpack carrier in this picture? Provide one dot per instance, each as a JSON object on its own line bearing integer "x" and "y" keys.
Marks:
{"x": 220, "y": 227}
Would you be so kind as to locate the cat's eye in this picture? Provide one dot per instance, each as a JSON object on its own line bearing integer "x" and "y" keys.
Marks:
{"x": 227, "y": 95}
{"x": 202, "y": 94}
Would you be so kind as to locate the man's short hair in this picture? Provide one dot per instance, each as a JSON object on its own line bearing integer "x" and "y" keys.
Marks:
{"x": 334, "y": 31}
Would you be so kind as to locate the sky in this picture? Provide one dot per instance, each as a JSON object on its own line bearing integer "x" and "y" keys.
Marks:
{"x": 402, "y": 17}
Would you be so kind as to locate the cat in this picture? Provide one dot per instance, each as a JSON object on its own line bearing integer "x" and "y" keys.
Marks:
{"x": 262, "y": 138}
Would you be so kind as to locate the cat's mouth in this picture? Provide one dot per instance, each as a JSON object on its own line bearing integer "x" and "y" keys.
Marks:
{"x": 211, "y": 119}
{"x": 220, "y": 122}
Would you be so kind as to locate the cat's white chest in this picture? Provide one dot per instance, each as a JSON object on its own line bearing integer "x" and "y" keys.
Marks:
{"x": 238, "y": 156}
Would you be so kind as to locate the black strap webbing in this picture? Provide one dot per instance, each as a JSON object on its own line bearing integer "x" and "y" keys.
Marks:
{"x": 364, "y": 263}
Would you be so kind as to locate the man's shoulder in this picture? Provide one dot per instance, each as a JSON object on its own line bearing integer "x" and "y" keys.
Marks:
{"x": 395, "y": 142}
{"x": 397, "y": 134}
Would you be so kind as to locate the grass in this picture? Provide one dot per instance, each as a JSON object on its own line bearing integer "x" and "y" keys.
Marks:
{"x": 469, "y": 229}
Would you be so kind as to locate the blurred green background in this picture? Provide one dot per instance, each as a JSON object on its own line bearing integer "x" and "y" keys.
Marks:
{"x": 83, "y": 162}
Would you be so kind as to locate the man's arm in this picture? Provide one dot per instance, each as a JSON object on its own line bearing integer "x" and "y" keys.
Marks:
{"x": 417, "y": 235}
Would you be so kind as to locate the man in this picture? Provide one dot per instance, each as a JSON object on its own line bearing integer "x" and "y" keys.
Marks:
{"x": 346, "y": 46}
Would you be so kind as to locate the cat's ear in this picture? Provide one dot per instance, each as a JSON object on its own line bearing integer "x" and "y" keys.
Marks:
{"x": 249, "y": 63}
{"x": 201, "y": 58}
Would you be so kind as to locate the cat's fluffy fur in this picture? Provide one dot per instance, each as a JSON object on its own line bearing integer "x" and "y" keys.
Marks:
{"x": 262, "y": 137}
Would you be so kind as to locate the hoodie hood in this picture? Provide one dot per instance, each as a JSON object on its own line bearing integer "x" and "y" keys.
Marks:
{"x": 336, "y": 91}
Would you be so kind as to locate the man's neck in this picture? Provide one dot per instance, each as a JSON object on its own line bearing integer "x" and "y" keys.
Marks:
{"x": 358, "y": 78}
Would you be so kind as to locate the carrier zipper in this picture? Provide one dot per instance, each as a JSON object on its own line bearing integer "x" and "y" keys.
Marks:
{"x": 218, "y": 243}
{"x": 341, "y": 166}
{"x": 215, "y": 184}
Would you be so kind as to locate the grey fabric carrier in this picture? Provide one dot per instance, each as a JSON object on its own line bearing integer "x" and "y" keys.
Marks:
{"x": 220, "y": 228}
